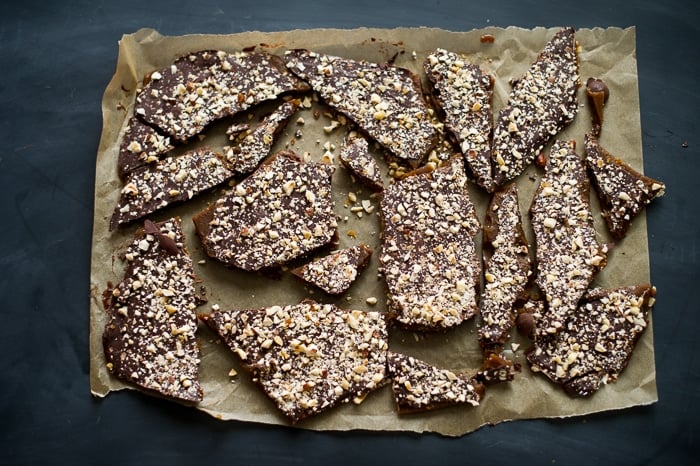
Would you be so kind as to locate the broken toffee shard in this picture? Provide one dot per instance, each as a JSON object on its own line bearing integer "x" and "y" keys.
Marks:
{"x": 335, "y": 272}
{"x": 307, "y": 357}
{"x": 429, "y": 256}
{"x": 183, "y": 98}
{"x": 540, "y": 104}
{"x": 384, "y": 101}
{"x": 567, "y": 251}
{"x": 623, "y": 192}
{"x": 280, "y": 212}
{"x": 597, "y": 343}
{"x": 169, "y": 181}
{"x": 419, "y": 386}
{"x": 507, "y": 269}
{"x": 463, "y": 93}
{"x": 149, "y": 339}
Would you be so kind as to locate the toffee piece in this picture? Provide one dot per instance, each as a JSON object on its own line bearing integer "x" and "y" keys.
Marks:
{"x": 355, "y": 157}
{"x": 623, "y": 192}
{"x": 307, "y": 357}
{"x": 507, "y": 268}
{"x": 597, "y": 343}
{"x": 253, "y": 146}
{"x": 463, "y": 93}
{"x": 335, "y": 272}
{"x": 419, "y": 386}
{"x": 541, "y": 103}
{"x": 568, "y": 253}
{"x": 141, "y": 145}
{"x": 598, "y": 93}
{"x": 149, "y": 339}
{"x": 204, "y": 86}
{"x": 428, "y": 257}
{"x": 280, "y": 212}
{"x": 384, "y": 101}
{"x": 171, "y": 180}
{"x": 496, "y": 369}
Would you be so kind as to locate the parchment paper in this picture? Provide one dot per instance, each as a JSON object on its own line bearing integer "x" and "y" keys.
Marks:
{"x": 605, "y": 53}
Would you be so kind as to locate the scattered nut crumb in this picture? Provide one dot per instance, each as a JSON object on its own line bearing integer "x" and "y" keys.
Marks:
{"x": 329, "y": 129}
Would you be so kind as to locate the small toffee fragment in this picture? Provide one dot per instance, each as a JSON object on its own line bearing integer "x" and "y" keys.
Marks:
{"x": 463, "y": 93}
{"x": 507, "y": 268}
{"x": 419, "y": 386}
{"x": 141, "y": 145}
{"x": 149, "y": 339}
{"x": 623, "y": 192}
{"x": 541, "y": 103}
{"x": 204, "y": 86}
{"x": 168, "y": 181}
{"x": 384, "y": 101}
{"x": 496, "y": 369}
{"x": 280, "y": 212}
{"x": 598, "y": 93}
{"x": 253, "y": 146}
{"x": 355, "y": 157}
{"x": 429, "y": 256}
{"x": 567, "y": 251}
{"x": 596, "y": 345}
{"x": 307, "y": 357}
{"x": 335, "y": 272}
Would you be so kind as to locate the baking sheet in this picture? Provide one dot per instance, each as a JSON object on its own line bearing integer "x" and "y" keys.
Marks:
{"x": 605, "y": 53}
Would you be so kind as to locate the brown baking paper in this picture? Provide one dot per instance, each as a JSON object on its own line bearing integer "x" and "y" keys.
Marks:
{"x": 605, "y": 53}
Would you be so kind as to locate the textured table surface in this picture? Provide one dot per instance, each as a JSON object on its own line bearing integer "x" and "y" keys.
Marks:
{"x": 58, "y": 58}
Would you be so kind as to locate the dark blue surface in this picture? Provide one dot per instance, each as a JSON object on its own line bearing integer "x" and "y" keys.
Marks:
{"x": 56, "y": 60}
